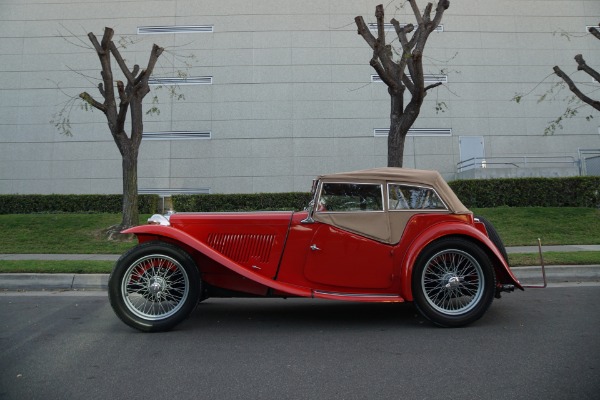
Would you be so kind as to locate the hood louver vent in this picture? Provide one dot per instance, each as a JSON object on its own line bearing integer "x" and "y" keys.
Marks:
{"x": 243, "y": 248}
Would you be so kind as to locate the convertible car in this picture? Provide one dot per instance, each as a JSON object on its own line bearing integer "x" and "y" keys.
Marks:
{"x": 378, "y": 235}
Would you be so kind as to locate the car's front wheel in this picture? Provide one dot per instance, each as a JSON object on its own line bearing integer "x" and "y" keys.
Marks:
{"x": 453, "y": 282}
{"x": 154, "y": 286}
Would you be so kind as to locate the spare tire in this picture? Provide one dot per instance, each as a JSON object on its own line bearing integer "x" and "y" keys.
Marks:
{"x": 494, "y": 236}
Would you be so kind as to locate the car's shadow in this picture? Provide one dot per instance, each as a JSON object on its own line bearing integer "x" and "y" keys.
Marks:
{"x": 301, "y": 314}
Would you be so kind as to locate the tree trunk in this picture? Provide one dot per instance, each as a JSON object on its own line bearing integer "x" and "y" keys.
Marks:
{"x": 130, "y": 189}
{"x": 396, "y": 137}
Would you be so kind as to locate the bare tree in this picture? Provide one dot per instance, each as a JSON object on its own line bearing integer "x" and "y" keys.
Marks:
{"x": 393, "y": 71}
{"x": 582, "y": 66}
{"x": 578, "y": 99}
{"x": 116, "y": 106}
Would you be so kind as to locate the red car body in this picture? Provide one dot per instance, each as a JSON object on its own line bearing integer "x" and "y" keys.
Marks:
{"x": 350, "y": 244}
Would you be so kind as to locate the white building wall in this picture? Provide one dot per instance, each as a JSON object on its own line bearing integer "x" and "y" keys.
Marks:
{"x": 291, "y": 96}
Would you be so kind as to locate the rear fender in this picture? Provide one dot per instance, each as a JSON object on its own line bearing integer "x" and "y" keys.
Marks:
{"x": 438, "y": 231}
{"x": 173, "y": 235}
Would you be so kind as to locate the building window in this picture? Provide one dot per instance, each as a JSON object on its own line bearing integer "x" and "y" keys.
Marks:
{"x": 155, "y": 30}
{"x": 169, "y": 192}
{"x": 427, "y": 77}
{"x": 177, "y": 135}
{"x": 191, "y": 80}
{"x": 384, "y": 132}
{"x": 390, "y": 27}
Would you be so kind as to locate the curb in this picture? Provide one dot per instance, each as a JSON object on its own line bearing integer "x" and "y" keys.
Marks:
{"x": 33, "y": 282}
{"x": 54, "y": 281}
{"x": 558, "y": 274}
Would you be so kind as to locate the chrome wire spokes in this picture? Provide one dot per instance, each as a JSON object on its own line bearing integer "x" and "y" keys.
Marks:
{"x": 155, "y": 287}
{"x": 452, "y": 281}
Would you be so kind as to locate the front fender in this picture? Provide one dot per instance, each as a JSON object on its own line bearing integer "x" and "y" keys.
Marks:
{"x": 143, "y": 232}
{"x": 444, "y": 229}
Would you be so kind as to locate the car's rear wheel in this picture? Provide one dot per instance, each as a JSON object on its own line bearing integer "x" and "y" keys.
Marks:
{"x": 453, "y": 282}
{"x": 154, "y": 286}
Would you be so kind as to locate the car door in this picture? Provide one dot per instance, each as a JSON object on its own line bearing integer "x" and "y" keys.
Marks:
{"x": 340, "y": 258}
{"x": 348, "y": 248}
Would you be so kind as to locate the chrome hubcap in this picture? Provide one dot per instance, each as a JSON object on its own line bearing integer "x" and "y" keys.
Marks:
{"x": 453, "y": 282}
{"x": 156, "y": 286}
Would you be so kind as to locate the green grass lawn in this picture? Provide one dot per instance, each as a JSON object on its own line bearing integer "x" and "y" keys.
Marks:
{"x": 60, "y": 233}
{"x": 82, "y": 234}
{"x": 554, "y": 225}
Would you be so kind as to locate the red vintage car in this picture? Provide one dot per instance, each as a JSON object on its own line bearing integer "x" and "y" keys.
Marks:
{"x": 378, "y": 235}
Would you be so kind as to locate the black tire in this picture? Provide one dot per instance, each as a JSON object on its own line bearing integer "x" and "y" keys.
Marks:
{"x": 453, "y": 282}
{"x": 154, "y": 286}
{"x": 494, "y": 237}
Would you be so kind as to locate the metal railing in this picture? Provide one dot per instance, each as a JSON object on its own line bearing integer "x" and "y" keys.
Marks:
{"x": 518, "y": 162}
{"x": 590, "y": 161}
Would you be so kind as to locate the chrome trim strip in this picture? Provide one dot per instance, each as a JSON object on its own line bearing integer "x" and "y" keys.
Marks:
{"x": 342, "y": 294}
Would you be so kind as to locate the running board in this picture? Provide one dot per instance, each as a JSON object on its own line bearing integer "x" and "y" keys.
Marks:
{"x": 545, "y": 283}
{"x": 362, "y": 297}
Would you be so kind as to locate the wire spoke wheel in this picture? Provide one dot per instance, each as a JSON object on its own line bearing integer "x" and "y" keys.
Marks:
{"x": 453, "y": 282}
{"x": 155, "y": 287}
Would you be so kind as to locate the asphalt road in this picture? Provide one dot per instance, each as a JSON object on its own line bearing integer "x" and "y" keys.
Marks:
{"x": 540, "y": 344}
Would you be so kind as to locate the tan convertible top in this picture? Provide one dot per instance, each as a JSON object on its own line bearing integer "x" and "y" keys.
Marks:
{"x": 387, "y": 226}
{"x": 403, "y": 175}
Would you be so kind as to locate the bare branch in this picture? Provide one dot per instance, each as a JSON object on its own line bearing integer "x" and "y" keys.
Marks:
{"x": 401, "y": 32}
{"x": 379, "y": 14}
{"x": 364, "y": 31}
{"x": 107, "y": 38}
{"x": 85, "y": 96}
{"x": 83, "y": 44}
{"x": 417, "y": 12}
{"x": 433, "y": 86}
{"x": 595, "y": 31}
{"x": 427, "y": 13}
{"x": 115, "y": 52}
{"x": 408, "y": 83}
{"x": 439, "y": 12}
{"x": 582, "y": 66}
{"x": 575, "y": 89}
{"x": 385, "y": 77}
{"x": 95, "y": 43}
